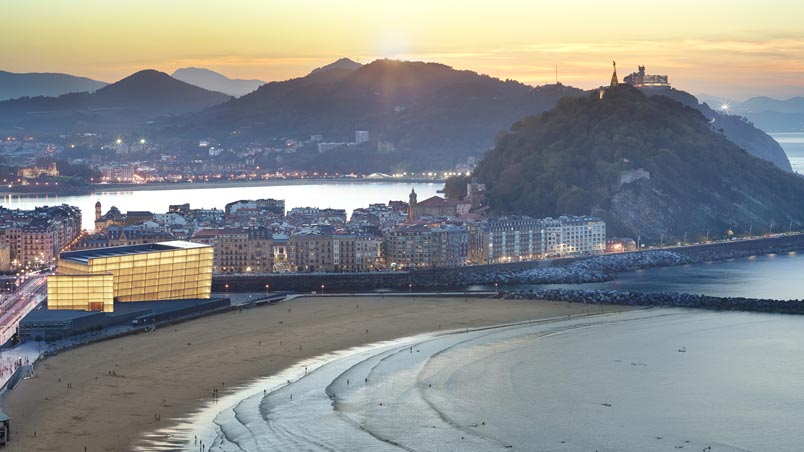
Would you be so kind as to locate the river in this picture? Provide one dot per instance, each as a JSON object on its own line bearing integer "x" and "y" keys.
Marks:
{"x": 337, "y": 195}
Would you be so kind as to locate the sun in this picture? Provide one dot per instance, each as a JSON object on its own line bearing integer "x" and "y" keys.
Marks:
{"x": 393, "y": 44}
{"x": 725, "y": 106}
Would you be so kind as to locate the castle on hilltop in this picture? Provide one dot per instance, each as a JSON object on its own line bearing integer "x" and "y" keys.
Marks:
{"x": 640, "y": 79}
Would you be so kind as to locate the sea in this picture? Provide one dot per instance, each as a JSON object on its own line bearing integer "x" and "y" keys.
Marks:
{"x": 793, "y": 145}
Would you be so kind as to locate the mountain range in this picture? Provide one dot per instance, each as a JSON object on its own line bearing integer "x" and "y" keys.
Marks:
{"x": 140, "y": 100}
{"x": 214, "y": 81}
{"x": 419, "y": 115}
{"x": 433, "y": 115}
{"x": 651, "y": 166}
{"x": 773, "y": 115}
{"x": 14, "y": 85}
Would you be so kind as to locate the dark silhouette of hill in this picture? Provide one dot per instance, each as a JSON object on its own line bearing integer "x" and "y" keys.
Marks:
{"x": 137, "y": 100}
{"x": 736, "y": 128}
{"x": 343, "y": 63}
{"x": 573, "y": 160}
{"x": 14, "y": 85}
{"x": 434, "y": 115}
{"x": 214, "y": 81}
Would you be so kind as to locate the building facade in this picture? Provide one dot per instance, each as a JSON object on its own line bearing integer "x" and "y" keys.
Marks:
{"x": 334, "y": 252}
{"x": 161, "y": 271}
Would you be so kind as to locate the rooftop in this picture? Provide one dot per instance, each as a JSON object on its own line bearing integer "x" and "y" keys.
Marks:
{"x": 83, "y": 256}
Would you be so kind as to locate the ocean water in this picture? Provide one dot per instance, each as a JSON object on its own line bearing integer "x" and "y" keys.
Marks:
{"x": 793, "y": 145}
{"x": 775, "y": 276}
{"x": 648, "y": 380}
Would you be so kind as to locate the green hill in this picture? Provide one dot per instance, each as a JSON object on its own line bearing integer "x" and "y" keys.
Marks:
{"x": 579, "y": 158}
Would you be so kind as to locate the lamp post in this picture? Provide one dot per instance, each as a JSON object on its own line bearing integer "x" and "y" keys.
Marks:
{"x": 410, "y": 288}
{"x": 322, "y": 289}
{"x": 496, "y": 290}
{"x": 227, "y": 288}
{"x": 267, "y": 286}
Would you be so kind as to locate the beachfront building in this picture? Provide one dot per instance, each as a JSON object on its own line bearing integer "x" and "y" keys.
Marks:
{"x": 507, "y": 239}
{"x": 574, "y": 236}
{"x": 315, "y": 252}
{"x": 158, "y": 271}
{"x": 421, "y": 246}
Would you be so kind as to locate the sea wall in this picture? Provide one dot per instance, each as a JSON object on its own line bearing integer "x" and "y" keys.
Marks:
{"x": 557, "y": 271}
{"x": 665, "y": 299}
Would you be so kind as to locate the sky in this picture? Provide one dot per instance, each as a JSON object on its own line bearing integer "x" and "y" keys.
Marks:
{"x": 733, "y": 49}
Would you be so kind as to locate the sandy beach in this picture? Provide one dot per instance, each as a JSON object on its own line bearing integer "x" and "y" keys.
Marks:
{"x": 105, "y": 396}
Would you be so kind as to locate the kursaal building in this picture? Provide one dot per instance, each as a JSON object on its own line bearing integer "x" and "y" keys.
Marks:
{"x": 92, "y": 280}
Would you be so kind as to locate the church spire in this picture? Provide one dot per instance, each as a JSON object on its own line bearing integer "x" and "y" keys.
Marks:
{"x": 614, "y": 81}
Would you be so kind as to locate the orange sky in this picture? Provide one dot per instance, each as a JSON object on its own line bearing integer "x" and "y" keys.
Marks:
{"x": 733, "y": 49}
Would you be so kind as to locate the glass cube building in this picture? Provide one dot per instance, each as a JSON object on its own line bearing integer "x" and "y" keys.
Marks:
{"x": 93, "y": 279}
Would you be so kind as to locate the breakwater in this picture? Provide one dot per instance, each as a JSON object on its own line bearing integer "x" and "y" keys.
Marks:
{"x": 663, "y": 299}
{"x": 557, "y": 271}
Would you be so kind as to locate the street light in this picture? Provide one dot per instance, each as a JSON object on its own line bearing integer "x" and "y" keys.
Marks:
{"x": 267, "y": 286}
{"x": 410, "y": 288}
{"x": 322, "y": 289}
{"x": 227, "y": 288}
{"x": 495, "y": 288}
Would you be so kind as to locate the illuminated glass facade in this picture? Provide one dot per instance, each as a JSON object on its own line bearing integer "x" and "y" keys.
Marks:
{"x": 81, "y": 292}
{"x": 160, "y": 271}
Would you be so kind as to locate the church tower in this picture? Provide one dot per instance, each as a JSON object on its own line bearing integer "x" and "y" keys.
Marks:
{"x": 97, "y": 210}
{"x": 412, "y": 206}
{"x": 614, "y": 81}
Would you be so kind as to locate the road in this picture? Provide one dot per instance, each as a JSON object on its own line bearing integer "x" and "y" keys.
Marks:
{"x": 19, "y": 304}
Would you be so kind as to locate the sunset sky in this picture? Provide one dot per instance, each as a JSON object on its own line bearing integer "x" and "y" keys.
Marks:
{"x": 734, "y": 49}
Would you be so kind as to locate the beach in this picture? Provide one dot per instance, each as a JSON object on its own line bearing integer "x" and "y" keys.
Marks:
{"x": 105, "y": 396}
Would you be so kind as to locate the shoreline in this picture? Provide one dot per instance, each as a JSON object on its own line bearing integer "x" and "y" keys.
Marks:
{"x": 114, "y": 188}
{"x": 203, "y": 425}
{"x": 124, "y": 385}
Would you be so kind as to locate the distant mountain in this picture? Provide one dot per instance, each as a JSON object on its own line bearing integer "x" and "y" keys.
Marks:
{"x": 649, "y": 165}
{"x": 133, "y": 102}
{"x": 434, "y": 116}
{"x": 760, "y": 104}
{"x": 774, "y": 115}
{"x": 214, "y": 81}
{"x": 738, "y": 130}
{"x": 343, "y": 63}
{"x": 33, "y": 84}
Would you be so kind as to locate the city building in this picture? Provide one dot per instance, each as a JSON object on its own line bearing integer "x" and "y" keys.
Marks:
{"x": 574, "y": 236}
{"x": 361, "y": 136}
{"x": 324, "y": 147}
{"x": 316, "y": 252}
{"x": 439, "y": 207}
{"x": 259, "y": 206}
{"x": 420, "y": 246}
{"x": 507, "y": 239}
{"x": 36, "y": 236}
{"x": 92, "y": 280}
{"x": 32, "y": 172}
{"x": 244, "y": 250}
{"x": 122, "y": 236}
{"x": 640, "y": 79}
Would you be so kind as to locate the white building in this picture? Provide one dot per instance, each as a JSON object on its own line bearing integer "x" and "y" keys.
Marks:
{"x": 361, "y": 136}
{"x": 574, "y": 236}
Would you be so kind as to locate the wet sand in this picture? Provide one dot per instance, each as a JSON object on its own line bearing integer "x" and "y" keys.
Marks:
{"x": 105, "y": 396}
